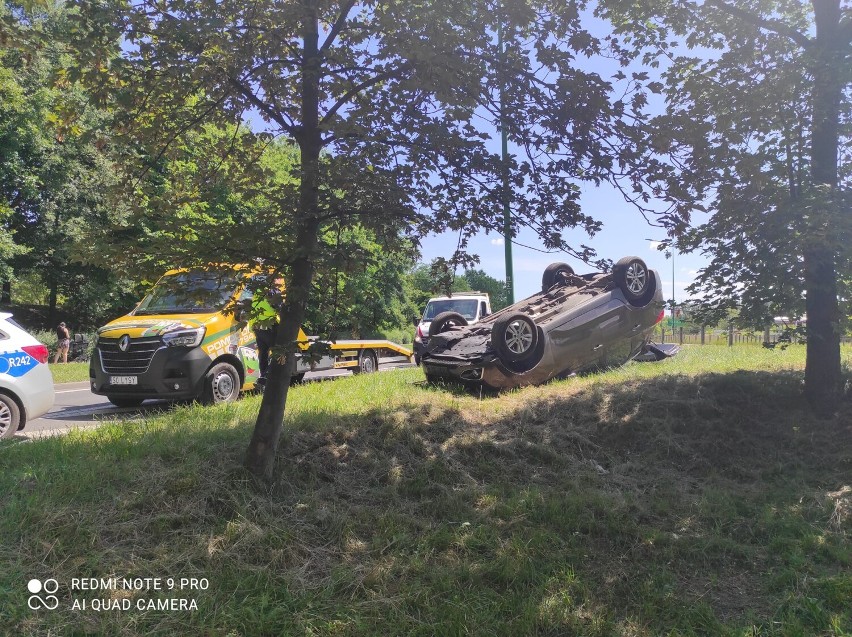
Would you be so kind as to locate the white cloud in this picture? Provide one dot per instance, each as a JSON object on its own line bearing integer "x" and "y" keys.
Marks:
{"x": 497, "y": 242}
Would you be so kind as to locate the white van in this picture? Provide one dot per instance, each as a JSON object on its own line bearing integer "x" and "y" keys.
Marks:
{"x": 473, "y": 306}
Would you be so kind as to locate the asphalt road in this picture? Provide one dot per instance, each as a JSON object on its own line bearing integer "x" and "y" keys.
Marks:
{"x": 76, "y": 406}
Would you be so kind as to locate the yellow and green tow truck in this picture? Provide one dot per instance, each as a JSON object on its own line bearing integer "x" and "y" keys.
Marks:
{"x": 189, "y": 339}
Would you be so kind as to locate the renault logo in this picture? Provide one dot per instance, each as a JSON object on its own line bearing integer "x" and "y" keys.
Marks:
{"x": 124, "y": 343}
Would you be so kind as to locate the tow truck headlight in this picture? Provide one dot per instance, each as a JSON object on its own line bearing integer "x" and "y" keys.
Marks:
{"x": 185, "y": 338}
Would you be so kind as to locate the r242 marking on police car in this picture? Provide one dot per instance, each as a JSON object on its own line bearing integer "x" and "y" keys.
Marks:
{"x": 20, "y": 361}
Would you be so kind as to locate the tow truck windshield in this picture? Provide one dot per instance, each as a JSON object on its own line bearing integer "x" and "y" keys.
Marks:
{"x": 193, "y": 292}
{"x": 465, "y": 307}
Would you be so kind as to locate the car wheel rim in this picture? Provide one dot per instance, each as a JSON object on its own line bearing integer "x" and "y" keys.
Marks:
{"x": 636, "y": 278}
{"x": 223, "y": 387}
{"x": 518, "y": 337}
{"x": 5, "y": 417}
{"x": 368, "y": 364}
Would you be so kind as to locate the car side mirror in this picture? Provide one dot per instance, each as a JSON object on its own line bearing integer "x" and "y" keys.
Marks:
{"x": 416, "y": 321}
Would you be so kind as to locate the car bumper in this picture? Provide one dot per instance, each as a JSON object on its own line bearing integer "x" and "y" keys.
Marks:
{"x": 486, "y": 372}
{"x": 173, "y": 373}
{"x": 420, "y": 347}
{"x": 36, "y": 391}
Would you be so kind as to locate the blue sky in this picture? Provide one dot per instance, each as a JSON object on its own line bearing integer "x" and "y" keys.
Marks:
{"x": 625, "y": 233}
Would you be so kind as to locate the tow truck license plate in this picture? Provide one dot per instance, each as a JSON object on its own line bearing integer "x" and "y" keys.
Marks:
{"x": 123, "y": 380}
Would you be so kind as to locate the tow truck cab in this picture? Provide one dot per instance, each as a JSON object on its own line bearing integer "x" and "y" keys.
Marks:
{"x": 186, "y": 339}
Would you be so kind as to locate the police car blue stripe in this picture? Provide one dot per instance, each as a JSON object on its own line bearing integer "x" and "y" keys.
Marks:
{"x": 17, "y": 363}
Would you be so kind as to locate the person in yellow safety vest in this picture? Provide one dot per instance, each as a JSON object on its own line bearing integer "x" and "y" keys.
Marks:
{"x": 265, "y": 326}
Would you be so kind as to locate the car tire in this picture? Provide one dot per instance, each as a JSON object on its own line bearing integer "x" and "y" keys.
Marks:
{"x": 368, "y": 362}
{"x": 125, "y": 402}
{"x": 221, "y": 385}
{"x": 444, "y": 321}
{"x": 553, "y": 274}
{"x": 10, "y": 416}
{"x": 635, "y": 280}
{"x": 514, "y": 337}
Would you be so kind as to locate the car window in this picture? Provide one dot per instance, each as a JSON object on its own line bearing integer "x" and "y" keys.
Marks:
{"x": 483, "y": 309}
{"x": 465, "y": 307}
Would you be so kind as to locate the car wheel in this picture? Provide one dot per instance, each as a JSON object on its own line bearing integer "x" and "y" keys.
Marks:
{"x": 367, "y": 362}
{"x": 10, "y": 416}
{"x": 635, "y": 280}
{"x": 444, "y": 321}
{"x": 555, "y": 273}
{"x": 221, "y": 385}
{"x": 514, "y": 337}
{"x": 125, "y": 402}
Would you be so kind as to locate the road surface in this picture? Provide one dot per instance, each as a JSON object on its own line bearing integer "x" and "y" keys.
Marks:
{"x": 76, "y": 406}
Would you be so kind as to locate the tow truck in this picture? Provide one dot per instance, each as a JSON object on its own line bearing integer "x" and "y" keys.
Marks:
{"x": 188, "y": 339}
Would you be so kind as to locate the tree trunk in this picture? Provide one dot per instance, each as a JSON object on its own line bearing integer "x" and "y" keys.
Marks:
{"x": 6, "y": 294}
{"x": 260, "y": 455}
{"x": 51, "y": 302}
{"x": 822, "y": 368}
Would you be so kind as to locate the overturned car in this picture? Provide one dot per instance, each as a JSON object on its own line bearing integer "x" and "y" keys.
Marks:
{"x": 576, "y": 323}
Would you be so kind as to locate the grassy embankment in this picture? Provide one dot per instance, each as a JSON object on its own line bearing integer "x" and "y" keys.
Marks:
{"x": 694, "y": 496}
{"x": 69, "y": 372}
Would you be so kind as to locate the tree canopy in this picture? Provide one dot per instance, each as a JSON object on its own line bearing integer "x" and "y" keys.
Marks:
{"x": 758, "y": 130}
{"x": 55, "y": 175}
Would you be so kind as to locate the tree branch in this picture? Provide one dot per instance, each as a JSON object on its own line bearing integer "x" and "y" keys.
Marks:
{"x": 351, "y": 93}
{"x": 775, "y": 26}
{"x": 180, "y": 131}
{"x": 262, "y": 106}
{"x": 337, "y": 27}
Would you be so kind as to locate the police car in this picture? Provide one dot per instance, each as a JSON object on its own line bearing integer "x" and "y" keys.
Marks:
{"x": 26, "y": 384}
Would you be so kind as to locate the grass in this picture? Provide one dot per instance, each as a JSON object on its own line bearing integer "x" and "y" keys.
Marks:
{"x": 696, "y": 496}
{"x": 69, "y": 372}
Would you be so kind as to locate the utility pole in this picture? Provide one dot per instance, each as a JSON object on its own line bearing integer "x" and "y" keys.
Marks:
{"x": 504, "y": 136}
{"x": 673, "y": 287}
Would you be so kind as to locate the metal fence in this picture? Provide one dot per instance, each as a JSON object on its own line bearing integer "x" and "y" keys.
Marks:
{"x": 707, "y": 337}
